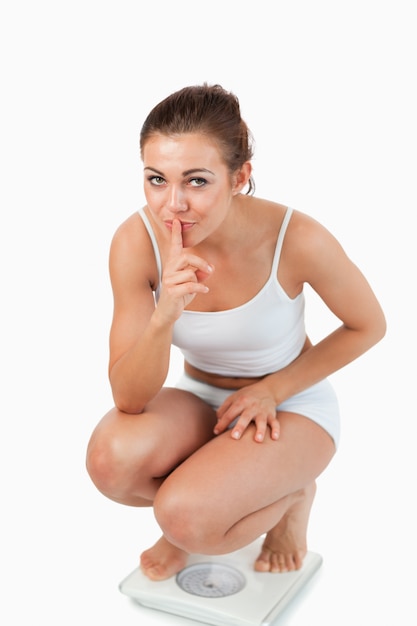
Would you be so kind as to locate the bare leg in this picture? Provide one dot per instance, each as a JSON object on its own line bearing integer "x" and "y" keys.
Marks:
{"x": 130, "y": 456}
{"x": 229, "y": 493}
{"x": 285, "y": 546}
{"x": 163, "y": 560}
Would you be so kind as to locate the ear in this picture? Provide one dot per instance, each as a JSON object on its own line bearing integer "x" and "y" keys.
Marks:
{"x": 241, "y": 177}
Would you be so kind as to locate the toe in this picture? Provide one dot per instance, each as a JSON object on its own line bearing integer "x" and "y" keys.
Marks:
{"x": 263, "y": 562}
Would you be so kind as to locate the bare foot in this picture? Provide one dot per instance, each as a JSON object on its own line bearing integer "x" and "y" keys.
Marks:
{"x": 285, "y": 546}
{"x": 163, "y": 560}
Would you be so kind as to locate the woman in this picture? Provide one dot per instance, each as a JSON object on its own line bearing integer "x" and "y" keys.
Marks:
{"x": 233, "y": 452}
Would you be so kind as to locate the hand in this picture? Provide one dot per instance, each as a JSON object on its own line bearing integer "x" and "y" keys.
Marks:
{"x": 249, "y": 404}
{"x": 183, "y": 277}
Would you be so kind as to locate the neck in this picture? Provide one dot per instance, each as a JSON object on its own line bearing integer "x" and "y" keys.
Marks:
{"x": 230, "y": 232}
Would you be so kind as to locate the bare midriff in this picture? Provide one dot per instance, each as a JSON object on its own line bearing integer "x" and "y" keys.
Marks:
{"x": 227, "y": 382}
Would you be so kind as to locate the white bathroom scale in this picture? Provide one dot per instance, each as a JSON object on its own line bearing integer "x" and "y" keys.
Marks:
{"x": 223, "y": 590}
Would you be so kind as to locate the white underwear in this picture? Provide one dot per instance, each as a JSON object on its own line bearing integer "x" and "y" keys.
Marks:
{"x": 318, "y": 403}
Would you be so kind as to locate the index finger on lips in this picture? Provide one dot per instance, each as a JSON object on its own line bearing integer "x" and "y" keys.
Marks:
{"x": 176, "y": 238}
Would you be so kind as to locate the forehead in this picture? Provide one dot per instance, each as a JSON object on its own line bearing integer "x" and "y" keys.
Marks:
{"x": 187, "y": 150}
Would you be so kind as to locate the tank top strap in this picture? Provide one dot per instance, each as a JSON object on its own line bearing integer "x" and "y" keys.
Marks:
{"x": 277, "y": 253}
{"x": 280, "y": 240}
{"x": 151, "y": 234}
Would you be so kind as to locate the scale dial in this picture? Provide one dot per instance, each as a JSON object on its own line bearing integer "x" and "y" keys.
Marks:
{"x": 211, "y": 580}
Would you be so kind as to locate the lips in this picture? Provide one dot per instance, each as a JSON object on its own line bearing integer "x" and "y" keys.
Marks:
{"x": 184, "y": 225}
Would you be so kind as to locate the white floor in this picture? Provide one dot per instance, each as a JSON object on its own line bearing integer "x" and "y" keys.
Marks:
{"x": 328, "y": 91}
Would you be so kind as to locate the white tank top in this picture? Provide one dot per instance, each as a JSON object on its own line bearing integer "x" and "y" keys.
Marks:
{"x": 256, "y": 338}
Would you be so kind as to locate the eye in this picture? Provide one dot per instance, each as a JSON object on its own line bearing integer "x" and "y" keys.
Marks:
{"x": 156, "y": 180}
{"x": 197, "y": 182}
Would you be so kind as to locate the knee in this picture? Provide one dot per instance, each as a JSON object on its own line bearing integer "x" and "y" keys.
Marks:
{"x": 117, "y": 464}
{"x": 103, "y": 463}
{"x": 186, "y": 521}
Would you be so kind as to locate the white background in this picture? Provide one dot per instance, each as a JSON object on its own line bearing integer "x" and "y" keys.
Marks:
{"x": 328, "y": 89}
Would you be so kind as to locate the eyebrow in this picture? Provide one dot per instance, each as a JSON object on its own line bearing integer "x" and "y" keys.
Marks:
{"x": 186, "y": 173}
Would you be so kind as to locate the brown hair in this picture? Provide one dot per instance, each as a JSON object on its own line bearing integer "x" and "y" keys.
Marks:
{"x": 204, "y": 109}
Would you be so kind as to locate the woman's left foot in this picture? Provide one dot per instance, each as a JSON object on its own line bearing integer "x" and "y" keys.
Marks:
{"x": 285, "y": 546}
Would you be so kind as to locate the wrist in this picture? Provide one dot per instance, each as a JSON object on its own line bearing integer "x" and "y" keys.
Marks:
{"x": 271, "y": 384}
{"x": 160, "y": 322}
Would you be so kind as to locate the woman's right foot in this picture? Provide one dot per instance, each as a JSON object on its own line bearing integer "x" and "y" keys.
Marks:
{"x": 163, "y": 560}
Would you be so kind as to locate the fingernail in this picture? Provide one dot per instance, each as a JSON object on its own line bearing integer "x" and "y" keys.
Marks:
{"x": 236, "y": 435}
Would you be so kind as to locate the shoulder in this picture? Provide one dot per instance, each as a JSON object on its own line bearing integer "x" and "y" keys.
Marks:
{"x": 266, "y": 208}
{"x": 131, "y": 233}
{"x": 131, "y": 252}
{"x": 309, "y": 253}
{"x": 304, "y": 235}
{"x": 264, "y": 216}
{"x": 307, "y": 236}
{"x": 302, "y": 230}
{"x": 311, "y": 248}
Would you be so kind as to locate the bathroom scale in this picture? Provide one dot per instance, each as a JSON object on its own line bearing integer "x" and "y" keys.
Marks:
{"x": 223, "y": 590}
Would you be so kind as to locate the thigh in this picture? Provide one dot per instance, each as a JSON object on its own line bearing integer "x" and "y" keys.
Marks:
{"x": 241, "y": 477}
{"x": 173, "y": 426}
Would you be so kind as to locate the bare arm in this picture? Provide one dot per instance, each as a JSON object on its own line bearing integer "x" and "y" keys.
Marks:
{"x": 320, "y": 261}
{"x": 343, "y": 288}
{"x": 141, "y": 333}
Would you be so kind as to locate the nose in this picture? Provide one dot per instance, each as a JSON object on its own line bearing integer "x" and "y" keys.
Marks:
{"x": 177, "y": 199}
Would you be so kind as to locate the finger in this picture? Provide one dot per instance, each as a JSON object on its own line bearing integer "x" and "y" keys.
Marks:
{"x": 176, "y": 238}
{"x": 219, "y": 428}
{"x": 245, "y": 417}
{"x": 187, "y": 289}
{"x": 240, "y": 426}
{"x": 223, "y": 423}
{"x": 262, "y": 423}
{"x": 226, "y": 413}
{"x": 232, "y": 404}
{"x": 248, "y": 416}
{"x": 224, "y": 407}
{"x": 275, "y": 429}
{"x": 201, "y": 268}
{"x": 179, "y": 275}
{"x": 260, "y": 431}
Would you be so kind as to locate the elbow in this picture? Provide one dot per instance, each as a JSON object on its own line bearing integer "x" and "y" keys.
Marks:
{"x": 129, "y": 408}
{"x": 127, "y": 404}
{"x": 124, "y": 400}
{"x": 381, "y": 327}
{"x": 383, "y": 330}
{"x": 377, "y": 330}
{"x": 368, "y": 335}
